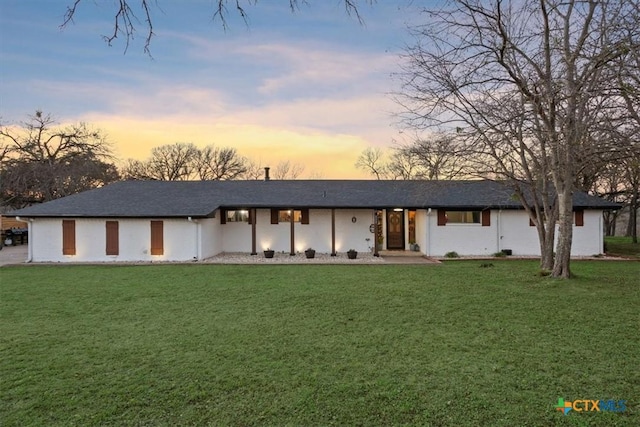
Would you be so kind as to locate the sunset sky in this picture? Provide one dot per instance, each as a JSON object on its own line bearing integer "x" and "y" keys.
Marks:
{"x": 312, "y": 87}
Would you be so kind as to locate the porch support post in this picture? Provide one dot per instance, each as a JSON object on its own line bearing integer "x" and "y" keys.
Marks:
{"x": 254, "y": 219}
{"x": 375, "y": 233}
{"x": 333, "y": 232}
{"x": 293, "y": 239}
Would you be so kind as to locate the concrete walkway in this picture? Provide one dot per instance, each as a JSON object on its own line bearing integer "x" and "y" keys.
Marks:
{"x": 320, "y": 258}
{"x": 13, "y": 254}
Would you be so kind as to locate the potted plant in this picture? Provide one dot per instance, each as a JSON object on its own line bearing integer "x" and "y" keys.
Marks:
{"x": 352, "y": 254}
{"x": 310, "y": 253}
{"x": 268, "y": 253}
{"x": 412, "y": 245}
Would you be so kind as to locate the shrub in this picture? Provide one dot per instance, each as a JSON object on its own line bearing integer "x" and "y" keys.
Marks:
{"x": 499, "y": 255}
{"x": 452, "y": 254}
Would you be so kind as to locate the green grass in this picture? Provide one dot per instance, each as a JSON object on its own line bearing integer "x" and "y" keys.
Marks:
{"x": 622, "y": 247}
{"x": 451, "y": 344}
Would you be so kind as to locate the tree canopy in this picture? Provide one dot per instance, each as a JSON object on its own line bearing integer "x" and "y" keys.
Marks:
{"x": 536, "y": 92}
{"x": 42, "y": 161}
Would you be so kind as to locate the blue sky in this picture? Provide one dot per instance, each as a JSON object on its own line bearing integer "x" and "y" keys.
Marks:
{"x": 311, "y": 87}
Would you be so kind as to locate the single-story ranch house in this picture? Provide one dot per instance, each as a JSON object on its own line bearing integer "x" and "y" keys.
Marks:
{"x": 194, "y": 220}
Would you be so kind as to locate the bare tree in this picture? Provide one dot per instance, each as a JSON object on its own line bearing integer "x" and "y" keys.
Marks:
{"x": 371, "y": 161}
{"x": 213, "y": 163}
{"x": 610, "y": 186}
{"x": 628, "y": 79}
{"x": 435, "y": 157}
{"x": 402, "y": 165}
{"x": 134, "y": 169}
{"x": 287, "y": 170}
{"x": 173, "y": 162}
{"x": 631, "y": 168}
{"x": 126, "y": 15}
{"x": 185, "y": 161}
{"x": 316, "y": 175}
{"x": 525, "y": 83}
{"x": 438, "y": 156}
{"x": 254, "y": 171}
{"x": 42, "y": 161}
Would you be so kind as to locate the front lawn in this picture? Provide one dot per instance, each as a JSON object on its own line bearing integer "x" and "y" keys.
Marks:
{"x": 622, "y": 247}
{"x": 451, "y": 344}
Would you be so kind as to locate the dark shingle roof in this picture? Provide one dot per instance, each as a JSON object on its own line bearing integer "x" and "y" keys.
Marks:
{"x": 202, "y": 198}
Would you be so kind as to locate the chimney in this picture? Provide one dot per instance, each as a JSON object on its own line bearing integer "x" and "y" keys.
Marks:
{"x": 266, "y": 174}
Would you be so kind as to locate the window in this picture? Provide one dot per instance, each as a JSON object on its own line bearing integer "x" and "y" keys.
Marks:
{"x": 412, "y": 225}
{"x": 68, "y": 237}
{"x": 238, "y": 216}
{"x": 112, "y": 238}
{"x": 578, "y": 218}
{"x": 463, "y": 217}
{"x": 284, "y": 215}
{"x": 157, "y": 238}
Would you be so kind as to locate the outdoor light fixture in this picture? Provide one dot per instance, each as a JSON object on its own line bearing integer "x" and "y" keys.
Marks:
{"x": 397, "y": 209}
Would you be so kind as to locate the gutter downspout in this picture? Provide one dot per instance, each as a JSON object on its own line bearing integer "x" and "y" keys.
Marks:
{"x": 30, "y": 240}
{"x": 428, "y": 232}
{"x": 198, "y": 238}
{"x": 498, "y": 232}
{"x": 601, "y": 232}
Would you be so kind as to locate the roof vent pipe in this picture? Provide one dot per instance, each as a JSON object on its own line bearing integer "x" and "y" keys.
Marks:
{"x": 266, "y": 174}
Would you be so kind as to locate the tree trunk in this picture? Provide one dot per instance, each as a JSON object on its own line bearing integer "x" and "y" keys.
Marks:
{"x": 561, "y": 266}
{"x": 546, "y": 262}
{"x": 546, "y": 236}
{"x": 632, "y": 229}
{"x": 610, "y": 223}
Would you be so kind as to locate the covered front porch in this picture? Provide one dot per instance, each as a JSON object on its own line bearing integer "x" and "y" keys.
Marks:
{"x": 332, "y": 231}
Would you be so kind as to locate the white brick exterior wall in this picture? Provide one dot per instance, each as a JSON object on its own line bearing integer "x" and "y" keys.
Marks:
{"x": 186, "y": 240}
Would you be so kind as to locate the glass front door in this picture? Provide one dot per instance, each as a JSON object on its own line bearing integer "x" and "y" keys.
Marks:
{"x": 395, "y": 229}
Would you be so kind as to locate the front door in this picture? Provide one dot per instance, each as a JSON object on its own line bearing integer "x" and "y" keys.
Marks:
{"x": 395, "y": 229}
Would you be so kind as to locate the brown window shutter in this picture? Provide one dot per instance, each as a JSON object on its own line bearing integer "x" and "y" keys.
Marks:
{"x": 68, "y": 237}
{"x": 157, "y": 238}
{"x": 442, "y": 217}
{"x": 579, "y": 217}
{"x": 112, "y": 238}
{"x": 486, "y": 218}
{"x": 274, "y": 216}
{"x": 223, "y": 216}
{"x": 305, "y": 216}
